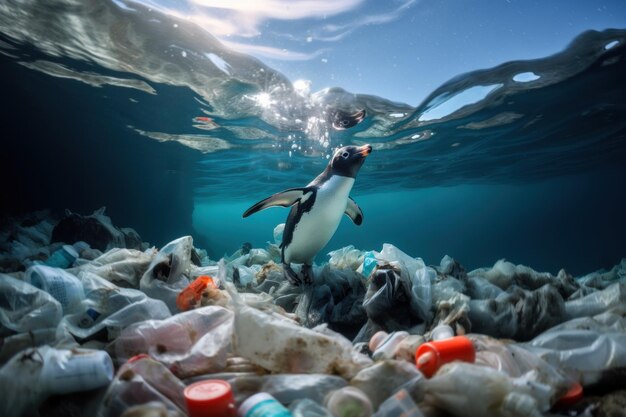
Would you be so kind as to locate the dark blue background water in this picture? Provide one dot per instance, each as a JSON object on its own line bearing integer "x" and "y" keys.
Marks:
{"x": 533, "y": 172}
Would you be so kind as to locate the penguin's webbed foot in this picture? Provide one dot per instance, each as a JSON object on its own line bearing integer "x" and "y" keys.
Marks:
{"x": 307, "y": 274}
{"x": 290, "y": 275}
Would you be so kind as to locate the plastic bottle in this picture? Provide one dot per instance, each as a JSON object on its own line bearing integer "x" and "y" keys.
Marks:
{"x": 386, "y": 349}
{"x": 210, "y": 398}
{"x": 430, "y": 356}
{"x": 66, "y": 371}
{"x": 63, "y": 257}
{"x": 262, "y": 405}
{"x": 399, "y": 404}
{"x": 349, "y": 402}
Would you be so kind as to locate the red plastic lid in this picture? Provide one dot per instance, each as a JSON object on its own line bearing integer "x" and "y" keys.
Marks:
{"x": 429, "y": 357}
{"x": 212, "y": 397}
{"x": 571, "y": 397}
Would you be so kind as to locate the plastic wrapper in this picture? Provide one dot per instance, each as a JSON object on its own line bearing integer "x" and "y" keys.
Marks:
{"x": 190, "y": 343}
{"x": 167, "y": 274}
{"x": 24, "y": 307}
{"x": 107, "y": 306}
{"x": 123, "y": 267}
{"x": 464, "y": 389}
{"x": 143, "y": 380}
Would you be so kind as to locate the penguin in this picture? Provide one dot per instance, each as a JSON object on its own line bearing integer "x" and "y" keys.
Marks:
{"x": 316, "y": 210}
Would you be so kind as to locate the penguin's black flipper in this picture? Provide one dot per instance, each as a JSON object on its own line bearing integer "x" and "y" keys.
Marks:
{"x": 354, "y": 212}
{"x": 284, "y": 199}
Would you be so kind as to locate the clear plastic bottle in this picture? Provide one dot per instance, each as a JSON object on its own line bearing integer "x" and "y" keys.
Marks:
{"x": 262, "y": 405}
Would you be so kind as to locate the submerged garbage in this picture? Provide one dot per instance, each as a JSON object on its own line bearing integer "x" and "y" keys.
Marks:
{"x": 96, "y": 322}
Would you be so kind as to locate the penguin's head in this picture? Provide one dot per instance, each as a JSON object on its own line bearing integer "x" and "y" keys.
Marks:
{"x": 348, "y": 160}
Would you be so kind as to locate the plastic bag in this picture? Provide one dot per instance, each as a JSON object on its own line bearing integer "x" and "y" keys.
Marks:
{"x": 63, "y": 286}
{"x": 107, "y": 306}
{"x": 166, "y": 274}
{"x": 287, "y": 388}
{"x": 120, "y": 266}
{"x": 597, "y": 302}
{"x": 190, "y": 343}
{"x": 347, "y": 257}
{"x": 24, "y": 307}
{"x": 143, "y": 380}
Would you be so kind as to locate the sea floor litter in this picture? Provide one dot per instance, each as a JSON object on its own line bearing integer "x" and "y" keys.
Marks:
{"x": 95, "y": 322}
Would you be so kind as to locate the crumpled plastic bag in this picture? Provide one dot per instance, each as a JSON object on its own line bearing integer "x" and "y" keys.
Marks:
{"x": 123, "y": 267}
{"x": 190, "y": 343}
{"x": 464, "y": 389}
{"x": 287, "y": 388}
{"x": 143, "y": 380}
{"x": 597, "y": 302}
{"x": 384, "y": 378}
{"x": 167, "y": 274}
{"x": 585, "y": 353}
{"x": 21, "y": 393}
{"x": 107, "y": 306}
{"x": 346, "y": 258}
{"x": 518, "y": 315}
{"x": 280, "y": 345}
{"x": 24, "y": 307}
{"x": 602, "y": 279}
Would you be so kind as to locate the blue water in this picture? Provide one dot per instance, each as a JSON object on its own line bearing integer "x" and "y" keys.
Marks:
{"x": 176, "y": 134}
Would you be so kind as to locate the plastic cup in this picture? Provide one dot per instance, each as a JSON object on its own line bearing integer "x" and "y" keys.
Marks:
{"x": 63, "y": 286}
{"x": 262, "y": 405}
{"x": 443, "y": 331}
{"x": 67, "y": 371}
{"x": 430, "y": 356}
{"x": 210, "y": 398}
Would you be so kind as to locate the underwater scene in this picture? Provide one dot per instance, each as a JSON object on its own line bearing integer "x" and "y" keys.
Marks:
{"x": 344, "y": 208}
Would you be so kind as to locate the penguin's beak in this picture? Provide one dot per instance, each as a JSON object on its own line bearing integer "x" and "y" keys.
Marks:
{"x": 364, "y": 150}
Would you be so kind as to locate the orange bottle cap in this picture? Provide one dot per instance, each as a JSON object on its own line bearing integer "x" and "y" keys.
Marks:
{"x": 192, "y": 293}
{"x": 212, "y": 397}
{"x": 429, "y": 357}
{"x": 571, "y": 397}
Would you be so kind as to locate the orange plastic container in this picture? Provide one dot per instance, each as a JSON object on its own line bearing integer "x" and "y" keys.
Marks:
{"x": 210, "y": 398}
{"x": 430, "y": 356}
{"x": 192, "y": 293}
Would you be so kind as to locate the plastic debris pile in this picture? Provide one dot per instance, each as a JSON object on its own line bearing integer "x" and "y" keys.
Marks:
{"x": 99, "y": 324}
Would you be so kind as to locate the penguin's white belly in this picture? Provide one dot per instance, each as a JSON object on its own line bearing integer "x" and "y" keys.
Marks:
{"x": 317, "y": 226}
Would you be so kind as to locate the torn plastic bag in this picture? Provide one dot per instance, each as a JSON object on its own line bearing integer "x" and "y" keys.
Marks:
{"x": 315, "y": 306}
{"x": 464, "y": 389}
{"x": 505, "y": 274}
{"x": 62, "y": 285}
{"x": 287, "y": 388}
{"x": 107, "y": 306}
{"x": 586, "y": 354}
{"x": 123, "y": 267}
{"x": 191, "y": 343}
{"x": 383, "y": 379}
{"x": 479, "y": 288}
{"x": 346, "y": 258}
{"x": 281, "y": 345}
{"x": 597, "y": 302}
{"x": 445, "y": 288}
{"x": 167, "y": 274}
{"x": 24, "y": 307}
{"x": 518, "y": 315}
{"x": 390, "y": 303}
{"x": 142, "y": 380}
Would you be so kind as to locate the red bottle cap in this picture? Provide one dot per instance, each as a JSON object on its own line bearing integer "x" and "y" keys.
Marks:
{"x": 429, "y": 357}
{"x": 571, "y": 397}
{"x": 210, "y": 398}
{"x": 192, "y": 293}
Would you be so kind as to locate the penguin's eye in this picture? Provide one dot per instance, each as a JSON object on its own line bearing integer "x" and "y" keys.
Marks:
{"x": 345, "y": 155}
